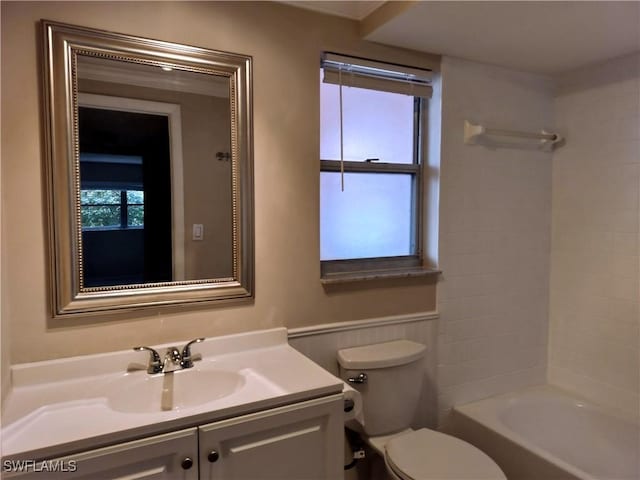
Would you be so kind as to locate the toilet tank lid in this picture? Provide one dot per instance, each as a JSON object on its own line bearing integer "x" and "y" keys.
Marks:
{"x": 381, "y": 355}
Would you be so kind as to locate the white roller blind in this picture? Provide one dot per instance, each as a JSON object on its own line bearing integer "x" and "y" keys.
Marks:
{"x": 355, "y": 72}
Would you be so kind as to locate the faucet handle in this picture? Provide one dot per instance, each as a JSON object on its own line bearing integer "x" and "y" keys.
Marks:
{"x": 186, "y": 353}
{"x": 155, "y": 363}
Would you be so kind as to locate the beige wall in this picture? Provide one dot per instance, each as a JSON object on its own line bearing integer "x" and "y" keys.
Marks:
{"x": 5, "y": 360}
{"x": 285, "y": 44}
{"x": 594, "y": 343}
{"x": 495, "y": 216}
{"x": 207, "y": 193}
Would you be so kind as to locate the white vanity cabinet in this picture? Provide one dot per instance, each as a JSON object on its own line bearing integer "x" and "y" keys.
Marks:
{"x": 253, "y": 408}
{"x": 295, "y": 442}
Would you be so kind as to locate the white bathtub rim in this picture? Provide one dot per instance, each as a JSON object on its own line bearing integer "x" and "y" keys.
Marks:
{"x": 474, "y": 412}
{"x": 620, "y": 414}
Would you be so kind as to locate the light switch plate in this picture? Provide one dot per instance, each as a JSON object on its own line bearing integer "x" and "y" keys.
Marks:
{"x": 198, "y": 231}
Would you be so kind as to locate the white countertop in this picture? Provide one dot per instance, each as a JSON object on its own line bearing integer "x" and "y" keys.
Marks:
{"x": 63, "y": 406}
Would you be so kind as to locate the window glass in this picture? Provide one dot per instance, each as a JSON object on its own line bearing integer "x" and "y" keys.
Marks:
{"x": 102, "y": 208}
{"x": 371, "y": 218}
{"x": 135, "y": 208}
{"x": 375, "y": 124}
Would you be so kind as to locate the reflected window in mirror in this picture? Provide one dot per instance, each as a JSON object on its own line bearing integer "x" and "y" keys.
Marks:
{"x": 111, "y": 191}
{"x": 108, "y": 208}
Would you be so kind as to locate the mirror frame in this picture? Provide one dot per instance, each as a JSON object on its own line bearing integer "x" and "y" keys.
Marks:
{"x": 62, "y": 45}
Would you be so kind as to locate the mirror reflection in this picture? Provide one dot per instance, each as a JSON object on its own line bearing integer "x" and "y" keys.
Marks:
{"x": 155, "y": 173}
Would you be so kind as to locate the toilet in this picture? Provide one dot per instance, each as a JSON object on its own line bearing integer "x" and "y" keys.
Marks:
{"x": 389, "y": 378}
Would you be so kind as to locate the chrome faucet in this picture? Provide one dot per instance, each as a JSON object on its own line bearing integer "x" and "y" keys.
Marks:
{"x": 155, "y": 364}
{"x": 173, "y": 358}
{"x": 186, "y": 361}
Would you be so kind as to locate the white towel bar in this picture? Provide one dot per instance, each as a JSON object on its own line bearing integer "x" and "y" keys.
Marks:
{"x": 473, "y": 133}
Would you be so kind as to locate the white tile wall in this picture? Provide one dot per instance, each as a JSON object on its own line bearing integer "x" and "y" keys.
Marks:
{"x": 322, "y": 347}
{"x": 495, "y": 221}
{"x": 594, "y": 344}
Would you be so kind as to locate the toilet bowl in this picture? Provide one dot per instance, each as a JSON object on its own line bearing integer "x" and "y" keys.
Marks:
{"x": 426, "y": 454}
{"x": 389, "y": 379}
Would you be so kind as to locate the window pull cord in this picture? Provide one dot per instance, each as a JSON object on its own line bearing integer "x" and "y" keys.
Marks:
{"x": 341, "y": 134}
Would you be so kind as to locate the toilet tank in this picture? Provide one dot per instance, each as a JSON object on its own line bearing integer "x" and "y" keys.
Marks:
{"x": 395, "y": 373}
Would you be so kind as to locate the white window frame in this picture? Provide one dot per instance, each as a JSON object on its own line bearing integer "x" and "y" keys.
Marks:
{"x": 404, "y": 79}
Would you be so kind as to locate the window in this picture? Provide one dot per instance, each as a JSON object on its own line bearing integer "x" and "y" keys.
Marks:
{"x": 111, "y": 191}
{"x": 112, "y": 208}
{"x": 371, "y": 133}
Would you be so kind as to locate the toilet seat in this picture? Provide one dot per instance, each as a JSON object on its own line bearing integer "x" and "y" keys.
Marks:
{"x": 426, "y": 454}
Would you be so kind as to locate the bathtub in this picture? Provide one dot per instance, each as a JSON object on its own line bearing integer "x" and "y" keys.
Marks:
{"x": 544, "y": 433}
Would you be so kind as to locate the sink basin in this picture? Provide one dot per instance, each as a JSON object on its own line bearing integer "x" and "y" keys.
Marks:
{"x": 182, "y": 389}
{"x": 57, "y": 405}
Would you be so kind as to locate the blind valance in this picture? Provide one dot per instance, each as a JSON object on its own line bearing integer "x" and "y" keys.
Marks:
{"x": 362, "y": 73}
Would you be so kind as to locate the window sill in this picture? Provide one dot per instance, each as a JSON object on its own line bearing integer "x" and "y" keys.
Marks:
{"x": 359, "y": 276}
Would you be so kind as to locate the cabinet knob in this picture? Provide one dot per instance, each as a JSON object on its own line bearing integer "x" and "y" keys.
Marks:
{"x": 187, "y": 463}
{"x": 213, "y": 456}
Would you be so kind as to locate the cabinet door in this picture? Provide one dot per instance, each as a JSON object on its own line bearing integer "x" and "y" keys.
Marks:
{"x": 296, "y": 442}
{"x": 161, "y": 457}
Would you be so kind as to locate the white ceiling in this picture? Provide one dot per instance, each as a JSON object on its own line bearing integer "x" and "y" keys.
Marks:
{"x": 356, "y": 10}
{"x": 544, "y": 37}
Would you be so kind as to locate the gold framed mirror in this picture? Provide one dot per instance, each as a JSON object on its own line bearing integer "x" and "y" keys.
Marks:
{"x": 150, "y": 172}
